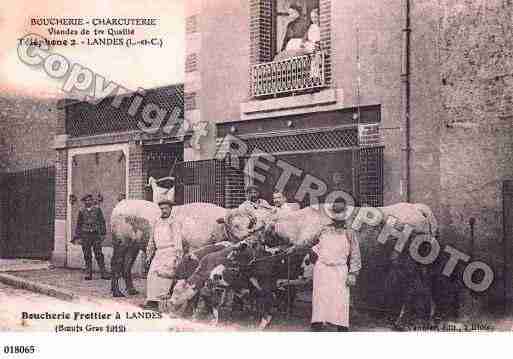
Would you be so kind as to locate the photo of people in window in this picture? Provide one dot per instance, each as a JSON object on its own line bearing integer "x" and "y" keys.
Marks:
{"x": 298, "y": 30}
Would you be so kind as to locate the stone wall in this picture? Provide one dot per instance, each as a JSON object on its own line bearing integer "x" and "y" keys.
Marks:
{"x": 27, "y": 130}
{"x": 476, "y": 78}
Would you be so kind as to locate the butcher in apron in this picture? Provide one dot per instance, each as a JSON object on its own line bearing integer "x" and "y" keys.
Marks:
{"x": 166, "y": 248}
{"x": 336, "y": 270}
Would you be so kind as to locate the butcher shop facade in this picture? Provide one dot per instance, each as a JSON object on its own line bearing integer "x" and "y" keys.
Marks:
{"x": 106, "y": 151}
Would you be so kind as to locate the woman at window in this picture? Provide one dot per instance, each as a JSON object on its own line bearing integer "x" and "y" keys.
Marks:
{"x": 313, "y": 36}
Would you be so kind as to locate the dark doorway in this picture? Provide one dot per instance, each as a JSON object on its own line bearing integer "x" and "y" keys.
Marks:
{"x": 333, "y": 169}
{"x": 28, "y": 213}
{"x": 161, "y": 161}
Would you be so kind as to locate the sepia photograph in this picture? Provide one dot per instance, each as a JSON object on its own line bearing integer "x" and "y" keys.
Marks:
{"x": 256, "y": 166}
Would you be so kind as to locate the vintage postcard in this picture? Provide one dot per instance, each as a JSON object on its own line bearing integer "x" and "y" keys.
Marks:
{"x": 255, "y": 166}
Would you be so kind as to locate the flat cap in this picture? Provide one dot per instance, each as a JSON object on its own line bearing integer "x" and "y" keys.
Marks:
{"x": 251, "y": 186}
{"x": 87, "y": 196}
{"x": 166, "y": 201}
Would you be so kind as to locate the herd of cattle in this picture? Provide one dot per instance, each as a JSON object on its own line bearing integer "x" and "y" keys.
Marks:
{"x": 231, "y": 251}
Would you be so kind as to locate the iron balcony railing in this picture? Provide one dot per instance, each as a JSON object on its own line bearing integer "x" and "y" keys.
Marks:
{"x": 293, "y": 75}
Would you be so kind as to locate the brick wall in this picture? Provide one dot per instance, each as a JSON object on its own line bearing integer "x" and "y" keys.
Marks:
{"x": 191, "y": 24}
{"x": 191, "y": 62}
{"x": 136, "y": 172}
{"x": 191, "y": 100}
{"x": 260, "y": 31}
{"x": 325, "y": 25}
{"x": 61, "y": 184}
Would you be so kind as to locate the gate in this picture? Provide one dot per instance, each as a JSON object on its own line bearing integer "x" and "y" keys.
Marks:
{"x": 201, "y": 181}
{"x": 29, "y": 213}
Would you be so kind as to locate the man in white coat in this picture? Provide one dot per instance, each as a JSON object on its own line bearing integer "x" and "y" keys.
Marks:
{"x": 167, "y": 249}
{"x": 336, "y": 269}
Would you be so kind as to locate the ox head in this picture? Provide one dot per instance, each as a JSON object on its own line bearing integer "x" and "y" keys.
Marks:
{"x": 277, "y": 233}
{"x": 182, "y": 293}
{"x": 243, "y": 225}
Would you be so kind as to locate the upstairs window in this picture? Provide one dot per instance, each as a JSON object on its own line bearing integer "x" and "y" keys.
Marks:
{"x": 287, "y": 49}
{"x": 297, "y": 28}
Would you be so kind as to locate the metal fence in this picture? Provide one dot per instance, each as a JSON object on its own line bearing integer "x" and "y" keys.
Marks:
{"x": 201, "y": 181}
{"x": 369, "y": 163}
{"x": 109, "y": 116}
{"x": 295, "y": 74}
{"x": 320, "y": 140}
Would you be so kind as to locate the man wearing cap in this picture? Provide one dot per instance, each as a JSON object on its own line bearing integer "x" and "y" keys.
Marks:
{"x": 164, "y": 251}
{"x": 297, "y": 28}
{"x": 337, "y": 264}
{"x": 281, "y": 205}
{"x": 91, "y": 231}
{"x": 253, "y": 200}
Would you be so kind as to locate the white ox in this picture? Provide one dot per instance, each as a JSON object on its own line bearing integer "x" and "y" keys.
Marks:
{"x": 301, "y": 228}
{"x": 132, "y": 223}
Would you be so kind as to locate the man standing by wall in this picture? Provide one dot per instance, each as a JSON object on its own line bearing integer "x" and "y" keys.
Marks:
{"x": 164, "y": 252}
{"x": 91, "y": 231}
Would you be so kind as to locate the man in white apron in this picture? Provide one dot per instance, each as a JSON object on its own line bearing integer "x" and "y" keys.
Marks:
{"x": 168, "y": 249}
{"x": 336, "y": 270}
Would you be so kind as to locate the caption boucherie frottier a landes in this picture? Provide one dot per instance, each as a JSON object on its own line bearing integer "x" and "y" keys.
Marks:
{"x": 95, "y": 31}
{"x": 90, "y": 315}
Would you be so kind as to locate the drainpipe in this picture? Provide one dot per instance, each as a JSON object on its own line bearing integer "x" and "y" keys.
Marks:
{"x": 405, "y": 82}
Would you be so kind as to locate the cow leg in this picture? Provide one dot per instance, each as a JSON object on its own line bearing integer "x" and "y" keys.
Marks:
{"x": 117, "y": 268}
{"x": 200, "y": 308}
{"x": 217, "y": 305}
{"x": 432, "y": 308}
{"x": 264, "y": 300}
{"x": 215, "y": 313}
{"x": 130, "y": 258}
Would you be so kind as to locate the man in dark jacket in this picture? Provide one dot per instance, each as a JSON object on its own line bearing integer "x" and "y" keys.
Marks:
{"x": 297, "y": 28}
{"x": 91, "y": 231}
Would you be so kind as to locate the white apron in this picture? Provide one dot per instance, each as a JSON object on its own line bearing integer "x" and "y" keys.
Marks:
{"x": 330, "y": 299}
{"x": 168, "y": 251}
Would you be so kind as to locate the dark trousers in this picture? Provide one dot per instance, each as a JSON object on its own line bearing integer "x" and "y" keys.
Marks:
{"x": 319, "y": 327}
{"x": 92, "y": 243}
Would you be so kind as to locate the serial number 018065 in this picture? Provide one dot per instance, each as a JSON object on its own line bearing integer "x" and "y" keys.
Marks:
{"x": 19, "y": 349}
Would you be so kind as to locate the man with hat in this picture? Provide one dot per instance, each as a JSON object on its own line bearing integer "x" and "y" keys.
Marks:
{"x": 297, "y": 28}
{"x": 164, "y": 250}
{"x": 337, "y": 261}
{"x": 91, "y": 231}
{"x": 253, "y": 200}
